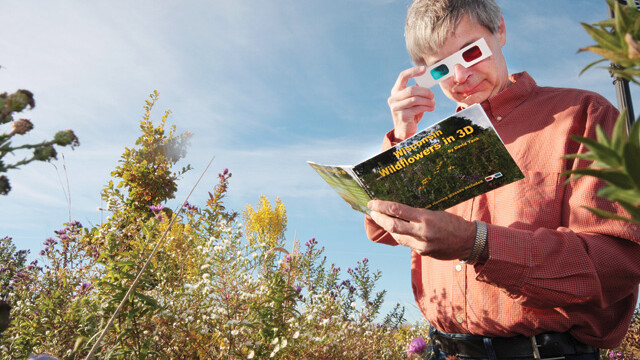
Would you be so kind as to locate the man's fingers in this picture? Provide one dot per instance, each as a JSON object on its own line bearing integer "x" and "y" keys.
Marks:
{"x": 397, "y": 210}
{"x": 412, "y": 100}
{"x": 418, "y": 246}
{"x": 404, "y": 77}
{"x": 392, "y": 224}
{"x": 402, "y": 231}
{"x": 412, "y": 96}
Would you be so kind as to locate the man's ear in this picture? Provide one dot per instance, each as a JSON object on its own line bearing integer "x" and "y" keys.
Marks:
{"x": 502, "y": 32}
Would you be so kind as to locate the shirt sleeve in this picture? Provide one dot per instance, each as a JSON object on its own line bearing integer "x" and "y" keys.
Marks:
{"x": 587, "y": 260}
{"x": 556, "y": 268}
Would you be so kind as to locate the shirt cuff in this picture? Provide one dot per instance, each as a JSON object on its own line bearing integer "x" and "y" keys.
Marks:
{"x": 390, "y": 140}
{"x": 508, "y": 249}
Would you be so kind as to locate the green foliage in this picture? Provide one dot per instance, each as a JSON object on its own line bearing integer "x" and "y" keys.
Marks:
{"x": 10, "y": 107}
{"x": 53, "y": 308}
{"x": 614, "y": 160}
{"x": 215, "y": 290}
{"x": 617, "y": 40}
{"x": 145, "y": 172}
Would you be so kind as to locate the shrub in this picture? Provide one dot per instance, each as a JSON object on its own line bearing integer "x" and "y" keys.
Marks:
{"x": 216, "y": 289}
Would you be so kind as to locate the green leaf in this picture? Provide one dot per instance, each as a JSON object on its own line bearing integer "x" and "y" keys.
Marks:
{"x": 572, "y": 178}
{"x": 634, "y": 211}
{"x": 604, "y": 38}
{"x": 590, "y": 65}
{"x": 613, "y": 193}
{"x": 636, "y": 24}
{"x": 602, "y": 136}
{"x": 608, "y": 23}
{"x": 631, "y": 157}
{"x": 586, "y": 156}
{"x": 621, "y": 19}
{"x": 148, "y": 300}
{"x": 602, "y": 152}
{"x": 123, "y": 334}
{"x": 634, "y": 133}
{"x": 619, "y": 135}
{"x": 606, "y": 214}
{"x": 613, "y": 177}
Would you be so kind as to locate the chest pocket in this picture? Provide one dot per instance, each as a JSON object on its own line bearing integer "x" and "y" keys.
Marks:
{"x": 530, "y": 203}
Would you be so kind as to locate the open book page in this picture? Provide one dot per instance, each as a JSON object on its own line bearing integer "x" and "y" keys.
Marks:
{"x": 452, "y": 161}
{"x": 342, "y": 180}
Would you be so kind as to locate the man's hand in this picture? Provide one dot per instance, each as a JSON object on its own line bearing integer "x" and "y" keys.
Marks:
{"x": 437, "y": 234}
{"x": 408, "y": 104}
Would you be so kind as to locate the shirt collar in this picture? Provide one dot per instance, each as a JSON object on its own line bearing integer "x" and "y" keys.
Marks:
{"x": 500, "y": 105}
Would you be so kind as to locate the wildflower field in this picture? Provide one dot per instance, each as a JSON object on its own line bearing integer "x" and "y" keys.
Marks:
{"x": 218, "y": 284}
{"x": 223, "y": 284}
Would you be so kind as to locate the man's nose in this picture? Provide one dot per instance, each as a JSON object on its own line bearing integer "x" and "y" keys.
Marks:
{"x": 460, "y": 73}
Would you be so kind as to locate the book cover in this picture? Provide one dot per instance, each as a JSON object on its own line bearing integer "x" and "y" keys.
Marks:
{"x": 453, "y": 160}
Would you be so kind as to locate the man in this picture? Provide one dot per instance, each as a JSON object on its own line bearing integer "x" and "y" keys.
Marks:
{"x": 523, "y": 271}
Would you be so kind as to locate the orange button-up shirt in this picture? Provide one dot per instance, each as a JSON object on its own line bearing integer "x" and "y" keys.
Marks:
{"x": 553, "y": 265}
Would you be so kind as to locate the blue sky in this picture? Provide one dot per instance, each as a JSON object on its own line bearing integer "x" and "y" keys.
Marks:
{"x": 264, "y": 86}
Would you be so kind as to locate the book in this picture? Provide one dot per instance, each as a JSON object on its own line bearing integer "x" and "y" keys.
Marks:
{"x": 453, "y": 160}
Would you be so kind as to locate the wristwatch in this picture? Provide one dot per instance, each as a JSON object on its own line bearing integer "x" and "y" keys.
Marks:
{"x": 479, "y": 244}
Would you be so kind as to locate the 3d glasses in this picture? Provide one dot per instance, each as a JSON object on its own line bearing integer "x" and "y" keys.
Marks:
{"x": 467, "y": 56}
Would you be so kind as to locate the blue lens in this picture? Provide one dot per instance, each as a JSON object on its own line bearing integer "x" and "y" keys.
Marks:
{"x": 439, "y": 71}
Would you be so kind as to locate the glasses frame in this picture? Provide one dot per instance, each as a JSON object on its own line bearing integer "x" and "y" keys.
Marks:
{"x": 427, "y": 80}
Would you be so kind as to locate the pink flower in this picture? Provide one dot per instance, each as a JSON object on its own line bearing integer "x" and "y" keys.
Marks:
{"x": 417, "y": 346}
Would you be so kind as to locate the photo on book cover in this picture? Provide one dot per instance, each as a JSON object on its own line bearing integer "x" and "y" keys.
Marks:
{"x": 452, "y": 161}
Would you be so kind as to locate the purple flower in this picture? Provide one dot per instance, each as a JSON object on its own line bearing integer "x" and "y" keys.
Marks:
{"x": 85, "y": 286}
{"x": 75, "y": 223}
{"x": 365, "y": 260}
{"x": 615, "y": 354}
{"x": 189, "y": 207}
{"x": 225, "y": 171}
{"x": 298, "y": 288}
{"x": 50, "y": 242}
{"x": 59, "y": 232}
{"x": 417, "y": 346}
{"x": 156, "y": 208}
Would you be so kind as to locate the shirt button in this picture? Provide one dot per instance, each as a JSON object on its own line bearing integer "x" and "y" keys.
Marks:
{"x": 499, "y": 118}
{"x": 459, "y": 267}
{"x": 459, "y": 319}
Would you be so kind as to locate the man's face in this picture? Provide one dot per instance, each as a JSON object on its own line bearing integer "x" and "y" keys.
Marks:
{"x": 481, "y": 81}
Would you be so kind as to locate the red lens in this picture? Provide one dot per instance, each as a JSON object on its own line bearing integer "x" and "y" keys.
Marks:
{"x": 471, "y": 54}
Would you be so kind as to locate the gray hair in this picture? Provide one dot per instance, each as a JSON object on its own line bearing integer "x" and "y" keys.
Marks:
{"x": 430, "y": 22}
